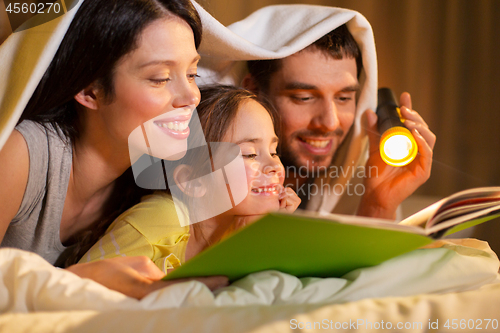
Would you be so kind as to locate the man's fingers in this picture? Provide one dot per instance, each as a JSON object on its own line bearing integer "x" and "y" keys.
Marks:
{"x": 424, "y": 131}
{"x": 413, "y": 116}
{"x": 405, "y": 100}
{"x": 424, "y": 150}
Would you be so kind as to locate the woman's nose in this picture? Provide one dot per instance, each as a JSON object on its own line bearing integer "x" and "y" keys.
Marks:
{"x": 187, "y": 94}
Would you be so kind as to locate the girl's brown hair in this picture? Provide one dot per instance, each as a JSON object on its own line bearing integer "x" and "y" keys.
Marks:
{"x": 219, "y": 106}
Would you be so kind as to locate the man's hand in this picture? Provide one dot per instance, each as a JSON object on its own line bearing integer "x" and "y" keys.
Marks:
{"x": 134, "y": 276}
{"x": 389, "y": 186}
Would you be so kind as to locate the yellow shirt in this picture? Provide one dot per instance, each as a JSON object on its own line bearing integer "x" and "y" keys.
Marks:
{"x": 151, "y": 228}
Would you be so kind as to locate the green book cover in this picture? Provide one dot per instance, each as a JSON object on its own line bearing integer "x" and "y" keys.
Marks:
{"x": 303, "y": 245}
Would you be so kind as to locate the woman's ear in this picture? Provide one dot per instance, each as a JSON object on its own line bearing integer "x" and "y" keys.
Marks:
{"x": 88, "y": 97}
{"x": 249, "y": 83}
{"x": 191, "y": 187}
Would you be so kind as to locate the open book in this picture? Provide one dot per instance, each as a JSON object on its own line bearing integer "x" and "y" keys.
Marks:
{"x": 457, "y": 212}
{"x": 327, "y": 245}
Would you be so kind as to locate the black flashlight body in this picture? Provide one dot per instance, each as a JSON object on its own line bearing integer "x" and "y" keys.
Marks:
{"x": 397, "y": 145}
{"x": 387, "y": 111}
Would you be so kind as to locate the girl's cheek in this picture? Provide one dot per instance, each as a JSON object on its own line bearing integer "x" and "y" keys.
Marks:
{"x": 252, "y": 169}
{"x": 281, "y": 175}
{"x": 281, "y": 172}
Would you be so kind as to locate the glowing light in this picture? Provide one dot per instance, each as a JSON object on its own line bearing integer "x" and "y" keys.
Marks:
{"x": 398, "y": 147}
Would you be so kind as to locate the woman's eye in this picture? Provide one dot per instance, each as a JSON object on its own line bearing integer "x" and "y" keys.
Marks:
{"x": 250, "y": 156}
{"x": 275, "y": 155}
{"x": 193, "y": 76}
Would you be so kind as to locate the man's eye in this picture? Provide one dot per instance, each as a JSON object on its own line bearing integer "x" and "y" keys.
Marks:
{"x": 344, "y": 98}
{"x": 250, "y": 156}
{"x": 299, "y": 98}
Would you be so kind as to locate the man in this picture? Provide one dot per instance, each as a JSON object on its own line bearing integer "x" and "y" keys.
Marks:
{"x": 323, "y": 81}
{"x": 314, "y": 91}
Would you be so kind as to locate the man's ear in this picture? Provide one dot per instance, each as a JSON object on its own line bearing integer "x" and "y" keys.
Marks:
{"x": 249, "y": 83}
{"x": 88, "y": 97}
{"x": 191, "y": 187}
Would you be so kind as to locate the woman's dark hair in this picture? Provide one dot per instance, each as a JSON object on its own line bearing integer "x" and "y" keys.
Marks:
{"x": 101, "y": 33}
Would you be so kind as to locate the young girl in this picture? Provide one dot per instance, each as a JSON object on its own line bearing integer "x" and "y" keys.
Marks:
{"x": 152, "y": 228}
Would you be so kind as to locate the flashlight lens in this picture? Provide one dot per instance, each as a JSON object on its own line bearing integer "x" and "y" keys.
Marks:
{"x": 398, "y": 147}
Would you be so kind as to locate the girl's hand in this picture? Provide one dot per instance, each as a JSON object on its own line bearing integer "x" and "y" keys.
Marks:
{"x": 289, "y": 200}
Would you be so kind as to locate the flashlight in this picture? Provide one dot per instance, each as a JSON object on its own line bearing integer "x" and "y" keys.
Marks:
{"x": 397, "y": 145}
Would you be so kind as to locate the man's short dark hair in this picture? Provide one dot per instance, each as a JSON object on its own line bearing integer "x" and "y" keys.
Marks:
{"x": 338, "y": 43}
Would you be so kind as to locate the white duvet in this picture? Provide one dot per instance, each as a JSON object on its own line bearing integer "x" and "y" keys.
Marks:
{"x": 28, "y": 283}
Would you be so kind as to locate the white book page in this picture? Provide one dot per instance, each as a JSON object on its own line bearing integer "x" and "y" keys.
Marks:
{"x": 460, "y": 210}
{"x": 420, "y": 218}
{"x": 462, "y": 218}
{"x": 362, "y": 221}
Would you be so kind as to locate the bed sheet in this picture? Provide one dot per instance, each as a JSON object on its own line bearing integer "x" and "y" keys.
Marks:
{"x": 416, "y": 312}
{"x": 454, "y": 280}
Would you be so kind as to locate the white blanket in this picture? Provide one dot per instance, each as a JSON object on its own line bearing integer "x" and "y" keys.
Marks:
{"x": 28, "y": 283}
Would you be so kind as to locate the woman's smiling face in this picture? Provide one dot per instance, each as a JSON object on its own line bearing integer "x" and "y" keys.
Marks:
{"x": 155, "y": 92}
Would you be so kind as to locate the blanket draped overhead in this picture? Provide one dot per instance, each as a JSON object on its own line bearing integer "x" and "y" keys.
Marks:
{"x": 269, "y": 33}
{"x": 275, "y": 32}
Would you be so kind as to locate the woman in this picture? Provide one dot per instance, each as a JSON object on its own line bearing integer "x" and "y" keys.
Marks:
{"x": 65, "y": 168}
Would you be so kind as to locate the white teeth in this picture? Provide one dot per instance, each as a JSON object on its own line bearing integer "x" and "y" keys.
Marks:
{"x": 318, "y": 143}
{"x": 175, "y": 126}
{"x": 266, "y": 189}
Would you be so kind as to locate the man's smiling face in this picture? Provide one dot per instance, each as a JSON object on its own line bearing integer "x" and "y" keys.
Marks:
{"x": 315, "y": 95}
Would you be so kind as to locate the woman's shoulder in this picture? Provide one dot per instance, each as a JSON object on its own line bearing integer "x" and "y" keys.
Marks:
{"x": 41, "y": 135}
{"x": 49, "y": 158}
{"x": 14, "y": 172}
{"x": 154, "y": 217}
